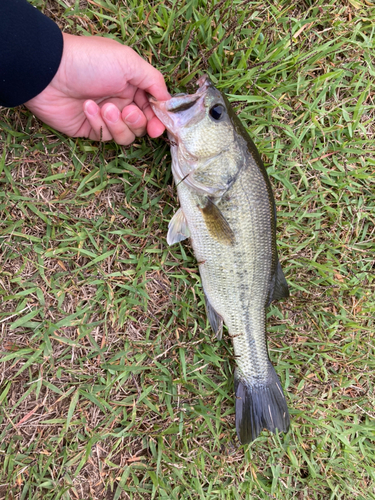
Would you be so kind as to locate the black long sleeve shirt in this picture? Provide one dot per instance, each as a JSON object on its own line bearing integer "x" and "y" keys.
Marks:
{"x": 31, "y": 47}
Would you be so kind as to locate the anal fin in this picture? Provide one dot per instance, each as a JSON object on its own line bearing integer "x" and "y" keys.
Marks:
{"x": 216, "y": 321}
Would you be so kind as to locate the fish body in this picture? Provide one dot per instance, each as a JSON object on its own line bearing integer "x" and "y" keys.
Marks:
{"x": 228, "y": 210}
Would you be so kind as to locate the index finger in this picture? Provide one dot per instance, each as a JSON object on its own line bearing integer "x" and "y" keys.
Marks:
{"x": 141, "y": 100}
{"x": 154, "y": 126}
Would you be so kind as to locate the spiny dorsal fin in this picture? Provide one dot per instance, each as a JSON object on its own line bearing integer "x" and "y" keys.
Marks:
{"x": 177, "y": 229}
{"x": 216, "y": 223}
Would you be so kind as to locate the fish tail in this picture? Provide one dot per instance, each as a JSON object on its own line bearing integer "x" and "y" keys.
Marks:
{"x": 259, "y": 405}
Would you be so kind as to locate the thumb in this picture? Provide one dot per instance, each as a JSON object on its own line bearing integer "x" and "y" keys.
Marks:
{"x": 144, "y": 76}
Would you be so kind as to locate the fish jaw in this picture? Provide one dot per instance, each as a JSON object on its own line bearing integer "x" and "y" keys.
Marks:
{"x": 168, "y": 112}
{"x": 193, "y": 107}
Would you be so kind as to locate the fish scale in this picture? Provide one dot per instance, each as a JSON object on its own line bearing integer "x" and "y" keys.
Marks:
{"x": 227, "y": 210}
{"x": 239, "y": 301}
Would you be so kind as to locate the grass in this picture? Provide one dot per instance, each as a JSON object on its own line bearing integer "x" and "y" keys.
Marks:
{"x": 112, "y": 385}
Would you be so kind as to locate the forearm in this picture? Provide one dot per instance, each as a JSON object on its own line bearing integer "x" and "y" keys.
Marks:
{"x": 31, "y": 50}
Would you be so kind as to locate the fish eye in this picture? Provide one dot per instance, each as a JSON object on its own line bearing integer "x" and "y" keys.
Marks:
{"x": 217, "y": 111}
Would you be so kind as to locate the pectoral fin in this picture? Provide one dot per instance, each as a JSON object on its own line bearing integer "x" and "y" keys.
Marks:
{"x": 280, "y": 286}
{"x": 216, "y": 223}
{"x": 216, "y": 321}
{"x": 177, "y": 229}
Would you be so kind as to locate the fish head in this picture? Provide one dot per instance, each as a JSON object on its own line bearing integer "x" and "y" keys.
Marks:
{"x": 199, "y": 121}
{"x": 199, "y": 127}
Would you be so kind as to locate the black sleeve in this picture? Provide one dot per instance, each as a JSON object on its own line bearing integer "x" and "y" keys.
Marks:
{"x": 31, "y": 47}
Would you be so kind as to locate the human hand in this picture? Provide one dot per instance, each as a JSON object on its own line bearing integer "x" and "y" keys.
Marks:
{"x": 99, "y": 92}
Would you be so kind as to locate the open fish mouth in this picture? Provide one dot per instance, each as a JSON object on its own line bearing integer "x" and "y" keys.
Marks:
{"x": 184, "y": 100}
{"x": 180, "y": 102}
{"x": 178, "y": 112}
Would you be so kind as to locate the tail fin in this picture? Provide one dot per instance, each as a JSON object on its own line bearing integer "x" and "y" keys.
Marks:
{"x": 259, "y": 405}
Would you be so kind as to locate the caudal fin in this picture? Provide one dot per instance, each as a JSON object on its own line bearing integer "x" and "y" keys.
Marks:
{"x": 259, "y": 405}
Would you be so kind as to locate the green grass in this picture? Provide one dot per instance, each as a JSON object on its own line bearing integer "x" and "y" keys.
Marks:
{"x": 112, "y": 385}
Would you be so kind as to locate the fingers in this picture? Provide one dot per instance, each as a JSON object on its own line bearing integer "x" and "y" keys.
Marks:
{"x": 134, "y": 119}
{"x": 109, "y": 123}
{"x": 99, "y": 130}
{"x": 154, "y": 125}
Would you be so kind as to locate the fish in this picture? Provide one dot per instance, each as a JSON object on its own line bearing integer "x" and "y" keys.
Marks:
{"x": 227, "y": 209}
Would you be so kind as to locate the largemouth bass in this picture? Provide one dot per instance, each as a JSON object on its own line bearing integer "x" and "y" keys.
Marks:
{"x": 228, "y": 210}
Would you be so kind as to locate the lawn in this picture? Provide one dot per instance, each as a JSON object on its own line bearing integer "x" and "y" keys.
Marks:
{"x": 112, "y": 385}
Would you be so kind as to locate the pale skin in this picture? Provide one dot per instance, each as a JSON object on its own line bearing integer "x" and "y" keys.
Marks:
{"x": 100, "y": 92}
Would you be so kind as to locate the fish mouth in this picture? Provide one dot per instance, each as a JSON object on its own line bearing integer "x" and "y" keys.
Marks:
{"x": 182, "y": 110}
{"x": 182, "y": 105}
{"x": 181, "y": 102}
{"x": 178, "y": 112}
{"x": 203, "y": 83}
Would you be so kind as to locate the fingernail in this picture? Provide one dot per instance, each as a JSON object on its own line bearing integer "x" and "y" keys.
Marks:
{"x": 112, "y": 114}
{"x": 91, "y": 108}
{"x": 132, "y": 118}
